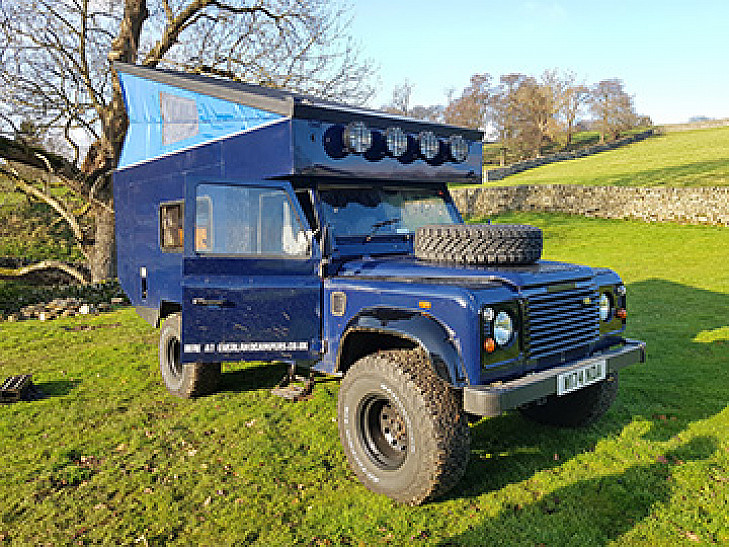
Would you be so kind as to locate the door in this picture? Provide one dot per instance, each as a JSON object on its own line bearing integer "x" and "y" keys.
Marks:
{"x": 251, "y": 288}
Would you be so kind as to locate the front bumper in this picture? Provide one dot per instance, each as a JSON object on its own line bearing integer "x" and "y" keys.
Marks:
{"x": 492, "y": 400}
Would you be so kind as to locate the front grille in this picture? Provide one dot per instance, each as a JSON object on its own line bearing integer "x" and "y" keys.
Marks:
{"x": 561, "y": 325}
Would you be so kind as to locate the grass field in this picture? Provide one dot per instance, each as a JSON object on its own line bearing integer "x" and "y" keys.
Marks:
{"x": 109, "y": 458}
{"x": 688, "y": 158}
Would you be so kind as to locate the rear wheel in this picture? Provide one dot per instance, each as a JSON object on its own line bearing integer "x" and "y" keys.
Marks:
{"x": 183, "y": 380}
{"x": 402, "y": 427}
{"x": 577, "y": 409}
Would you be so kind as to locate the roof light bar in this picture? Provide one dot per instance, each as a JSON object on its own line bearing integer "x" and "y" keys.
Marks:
{"x": 429, "y": 144}
{"x": 458, "y": 147}
{"x": 397, "y": 141}
{"x": 357, "y": 137}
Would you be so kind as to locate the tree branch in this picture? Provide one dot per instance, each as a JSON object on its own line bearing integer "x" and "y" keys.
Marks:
{"x": 37, "y": 157}
{"x": 45, "y": 265}
{"x": 187, "y": 16}
{"x": 27, "y": 188}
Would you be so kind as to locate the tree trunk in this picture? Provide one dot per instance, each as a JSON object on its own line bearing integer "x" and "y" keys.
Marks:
{"x": 102, "y": 257}
{"x": 104, "y": 154}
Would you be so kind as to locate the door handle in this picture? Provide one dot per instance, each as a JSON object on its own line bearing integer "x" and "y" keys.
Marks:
{"x": 210, "y": 302}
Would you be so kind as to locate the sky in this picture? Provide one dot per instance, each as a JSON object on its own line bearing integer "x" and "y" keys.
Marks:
{"x": 672, "y": 56}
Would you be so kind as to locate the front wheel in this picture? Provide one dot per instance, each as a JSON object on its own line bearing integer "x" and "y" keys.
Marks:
{"x": 576, "y": 409}
{"x": 183, "y": 380}
{"x": 402, "y": 427}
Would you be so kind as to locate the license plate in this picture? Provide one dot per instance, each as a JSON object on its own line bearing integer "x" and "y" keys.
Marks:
{"x": 573, "y": 380}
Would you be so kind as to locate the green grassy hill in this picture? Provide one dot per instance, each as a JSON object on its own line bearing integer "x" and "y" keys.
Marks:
{"x": 687, "y": 158}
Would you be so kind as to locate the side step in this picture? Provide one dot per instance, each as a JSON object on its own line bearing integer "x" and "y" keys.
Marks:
{"x": 298, "y": 391}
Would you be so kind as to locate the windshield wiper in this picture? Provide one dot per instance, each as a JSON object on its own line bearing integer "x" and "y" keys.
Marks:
{"x": 377, "y": 225}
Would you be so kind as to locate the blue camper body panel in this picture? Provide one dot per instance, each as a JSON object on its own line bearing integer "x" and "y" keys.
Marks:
{"x": 252, "y": 306}
{"x": 141, "y": 189}
{"x": 165, "y": 119}
{"x": 185, "y": 130}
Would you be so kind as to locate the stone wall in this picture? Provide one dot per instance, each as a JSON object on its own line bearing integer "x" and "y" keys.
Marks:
{"x": 702, "y": 205}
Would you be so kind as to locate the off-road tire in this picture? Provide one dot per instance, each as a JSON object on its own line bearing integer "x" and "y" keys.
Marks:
{"x": 430, "y": 454}
{"x": 479, "y": 243}
{"x": 576, "y": 409}
{"x": 183, "y": 380}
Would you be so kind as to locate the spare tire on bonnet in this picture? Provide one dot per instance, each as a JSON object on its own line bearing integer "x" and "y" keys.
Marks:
{"x": 479, "y": 243}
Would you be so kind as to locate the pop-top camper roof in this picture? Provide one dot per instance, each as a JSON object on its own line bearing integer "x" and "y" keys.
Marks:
{"x": 170, "y": 112}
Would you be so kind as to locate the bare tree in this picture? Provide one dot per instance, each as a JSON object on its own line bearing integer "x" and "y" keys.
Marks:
{"x": 538, "y": 107}
{"x": 571, "y": 98}
{"x": 612, "y": 108}
{"x": 56, "y": 69}
{"x": 400, "y": 103}
{"x": 506, "y": 114}
{"x": 431, "y": 113}
{"x": 471, "y": 108}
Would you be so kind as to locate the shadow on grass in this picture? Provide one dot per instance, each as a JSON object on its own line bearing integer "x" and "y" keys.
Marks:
{"x": 685, "y": 378}
{"x": 510, "y": 449}
{"x": 57, "y": 388}
{"x": 252, "y": 377}
{"x": 677, "y": 175}
{"x": 591, "y": 512}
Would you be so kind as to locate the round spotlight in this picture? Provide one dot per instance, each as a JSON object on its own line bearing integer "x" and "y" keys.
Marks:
{"x": 429, "y": 145}
{"x": 503, "y": 328}
{"x": 357, "y": 138}
{"x": 397, "y": 141}
{"x": 459, "y": 148}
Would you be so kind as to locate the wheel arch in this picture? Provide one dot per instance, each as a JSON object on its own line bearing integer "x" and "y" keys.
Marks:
{"x": 381, "y": 329}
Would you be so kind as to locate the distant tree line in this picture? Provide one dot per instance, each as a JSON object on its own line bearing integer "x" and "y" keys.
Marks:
{"x": 527, "y": 113}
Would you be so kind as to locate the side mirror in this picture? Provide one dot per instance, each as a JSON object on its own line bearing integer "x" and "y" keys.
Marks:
{"x": 309, "y": 235}
{"x": 326, "y": 240}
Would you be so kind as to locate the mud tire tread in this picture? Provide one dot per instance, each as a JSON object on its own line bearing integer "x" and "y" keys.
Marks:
{"x": 479, "y": 243}
{"x": 434, "y": 406}
{"x": 197, "y": 379}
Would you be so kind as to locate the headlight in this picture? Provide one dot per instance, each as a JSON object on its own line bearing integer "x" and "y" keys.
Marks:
{"x": 397, "y": 141}
{"x": 459, "y": 148}
{"x": 357, "y": 138}
{"x": 503, "y": 328}
{"x": 605, "y": 307}
{"x": 429, "y": 144}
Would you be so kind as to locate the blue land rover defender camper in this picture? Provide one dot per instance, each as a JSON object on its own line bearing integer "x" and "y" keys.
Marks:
{"x": 257, "y": 224}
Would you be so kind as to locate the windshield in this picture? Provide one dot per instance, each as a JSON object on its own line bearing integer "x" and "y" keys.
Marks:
{"x": 383, "y": 211}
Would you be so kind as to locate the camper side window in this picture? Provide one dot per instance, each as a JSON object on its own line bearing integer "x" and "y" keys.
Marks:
{"x": 171, "y": 222}
{"x": 247, "y": 220}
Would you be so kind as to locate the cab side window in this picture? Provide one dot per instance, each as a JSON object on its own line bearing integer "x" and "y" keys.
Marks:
{"x": 247, "y": 220}
{"x": 171, "y": 222}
